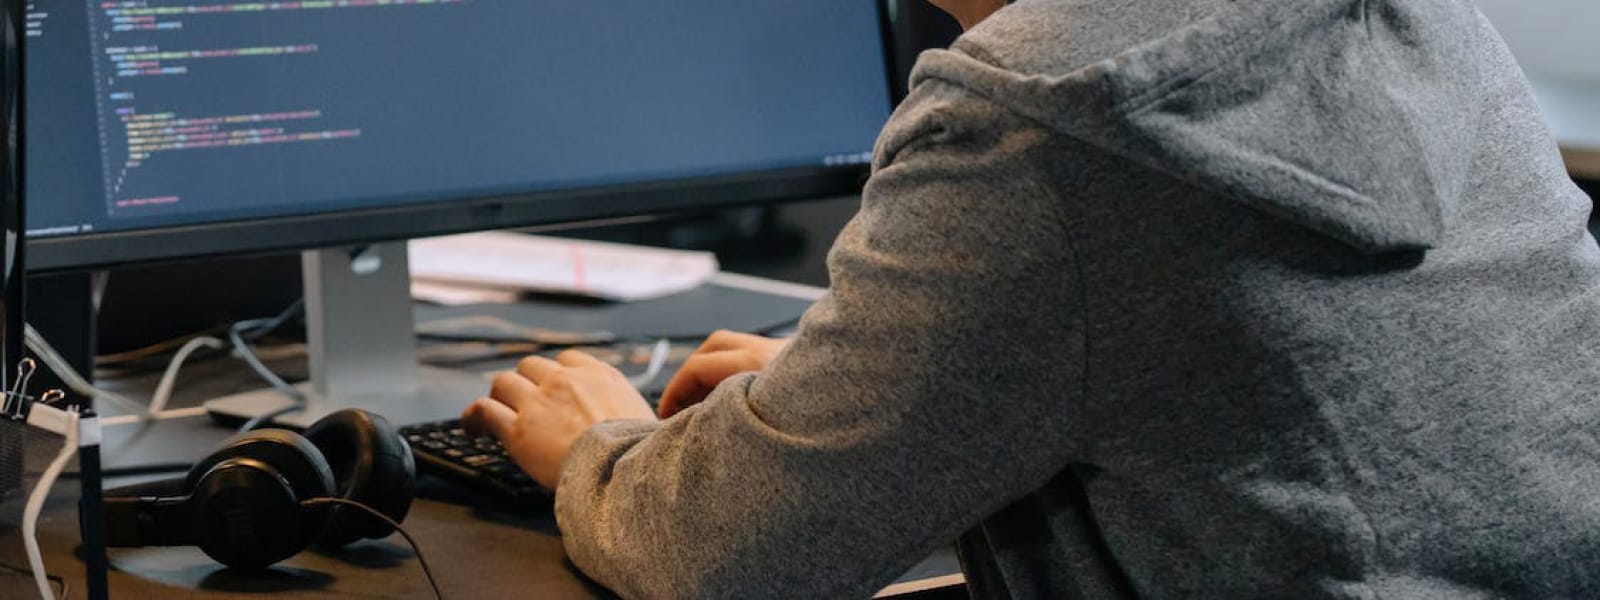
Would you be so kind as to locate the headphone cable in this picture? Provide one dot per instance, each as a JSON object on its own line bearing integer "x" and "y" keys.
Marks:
{"x": 56, "y": 579}
{"x": 391, "y": 522}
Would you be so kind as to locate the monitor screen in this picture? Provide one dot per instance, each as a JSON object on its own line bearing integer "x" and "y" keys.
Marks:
{"x": 223, "y": 123}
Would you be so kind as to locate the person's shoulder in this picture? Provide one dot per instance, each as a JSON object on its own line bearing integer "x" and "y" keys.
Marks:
{"x": 1054, "y": 37}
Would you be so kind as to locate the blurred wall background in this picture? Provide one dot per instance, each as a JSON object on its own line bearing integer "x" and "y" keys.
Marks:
{"x": 1557, "y": 42}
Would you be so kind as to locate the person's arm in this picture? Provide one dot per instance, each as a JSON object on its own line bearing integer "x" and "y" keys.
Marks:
{"x": 930, "y": 386}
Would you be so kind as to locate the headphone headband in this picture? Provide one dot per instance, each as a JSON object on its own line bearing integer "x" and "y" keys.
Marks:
{"x": 242, "y": 504}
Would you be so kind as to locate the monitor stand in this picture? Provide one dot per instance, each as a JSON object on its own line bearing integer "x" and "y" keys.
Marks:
{"x": 362, "y": 347}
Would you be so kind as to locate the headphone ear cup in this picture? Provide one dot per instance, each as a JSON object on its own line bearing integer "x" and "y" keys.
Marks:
{"x": 372, "y": 465}
{"x": 246, "y": 515}
{"x": 295, "y": 458}
{"x": 246, "y": 498}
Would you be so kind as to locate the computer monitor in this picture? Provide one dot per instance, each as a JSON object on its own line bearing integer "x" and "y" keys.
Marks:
{"x": 178, "y": 129}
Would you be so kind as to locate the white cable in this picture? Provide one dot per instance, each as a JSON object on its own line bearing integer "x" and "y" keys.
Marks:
{"x": 658, "y": 358}
{"x": 163, "y": 393}
{"x": 30, "y": 512}
{"x": 71, "y": 377}
{"x": 243, "y": 351}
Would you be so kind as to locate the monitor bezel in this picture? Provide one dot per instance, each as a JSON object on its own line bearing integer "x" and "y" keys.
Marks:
{"x": 444, "y": 216}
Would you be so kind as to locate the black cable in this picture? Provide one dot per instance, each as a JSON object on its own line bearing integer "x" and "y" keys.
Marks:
{"x": 138, "y": 470}
{"x": 257, "y": 421}
{"x": 390, "y": 522}
{"x": 56, "y": 579}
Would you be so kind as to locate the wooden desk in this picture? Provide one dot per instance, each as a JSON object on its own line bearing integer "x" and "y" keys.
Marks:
{"x": 1582, "y": 163}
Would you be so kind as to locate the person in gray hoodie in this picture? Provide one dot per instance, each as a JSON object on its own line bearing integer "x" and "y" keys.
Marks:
{"x": 1145, "y": 298}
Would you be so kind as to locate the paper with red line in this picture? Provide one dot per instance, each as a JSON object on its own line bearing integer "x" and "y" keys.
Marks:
{"x": 501, "y": 261}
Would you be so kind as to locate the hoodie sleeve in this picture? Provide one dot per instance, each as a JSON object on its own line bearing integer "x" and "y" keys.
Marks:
{"x": 929, "y": 387}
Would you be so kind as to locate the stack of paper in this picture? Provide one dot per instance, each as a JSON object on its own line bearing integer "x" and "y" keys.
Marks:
{"x": 499, "y": 266}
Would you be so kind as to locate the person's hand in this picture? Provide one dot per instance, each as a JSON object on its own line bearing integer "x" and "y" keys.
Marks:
{"x": 538, "y": 411}
{"x": 723, "y": 355}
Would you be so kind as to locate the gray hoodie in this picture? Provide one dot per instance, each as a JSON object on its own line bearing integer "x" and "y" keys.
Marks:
{"x": 1163, "y": 298}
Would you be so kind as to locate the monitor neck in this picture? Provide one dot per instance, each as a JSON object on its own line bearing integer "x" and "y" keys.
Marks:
{"x": 359, "y": 339}
{"x": 361, "y": 346}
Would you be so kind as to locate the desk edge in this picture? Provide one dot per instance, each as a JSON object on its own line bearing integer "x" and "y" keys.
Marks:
{"x": 768, "y": 286}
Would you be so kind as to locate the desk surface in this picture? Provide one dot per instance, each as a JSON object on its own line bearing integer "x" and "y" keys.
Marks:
{"x": 1583, "y": 163}
{"x": 476, "y": 547}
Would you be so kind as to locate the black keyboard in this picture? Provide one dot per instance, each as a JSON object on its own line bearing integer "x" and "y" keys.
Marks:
{"x": 446, "y": 450}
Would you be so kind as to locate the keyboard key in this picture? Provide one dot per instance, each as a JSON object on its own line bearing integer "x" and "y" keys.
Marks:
{"x": 482, "y": 459}
{"x": 445, "y": 449}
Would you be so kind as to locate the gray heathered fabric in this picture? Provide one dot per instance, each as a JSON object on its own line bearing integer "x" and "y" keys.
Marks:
{"x": 1167, "y": 298}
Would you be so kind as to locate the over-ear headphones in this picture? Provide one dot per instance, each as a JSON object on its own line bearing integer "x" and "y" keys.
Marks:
{"x": 243, "y": 504}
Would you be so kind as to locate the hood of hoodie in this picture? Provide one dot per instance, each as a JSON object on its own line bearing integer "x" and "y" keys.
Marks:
{"x": 1343, "y": 116}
